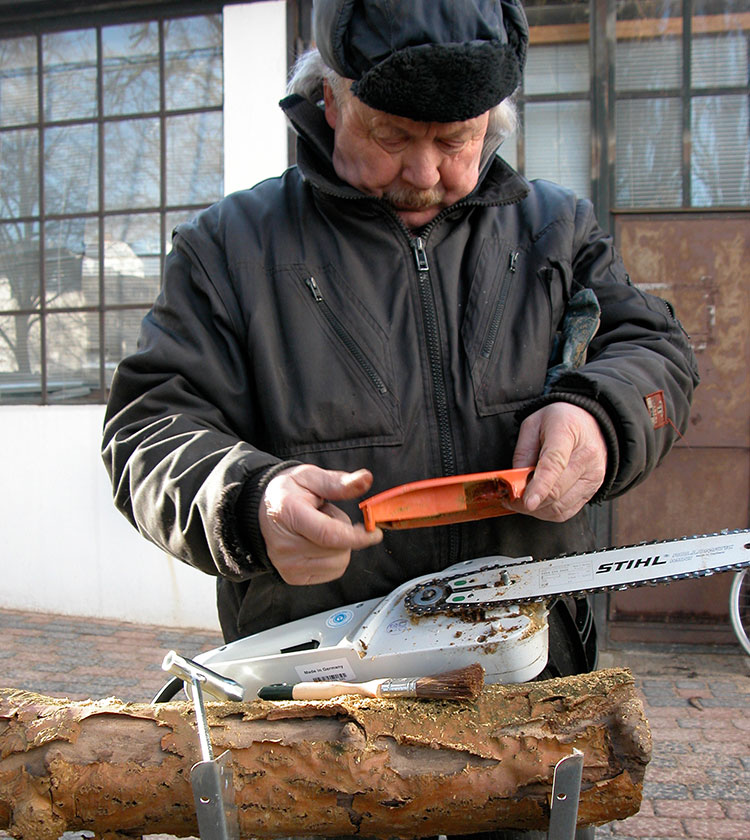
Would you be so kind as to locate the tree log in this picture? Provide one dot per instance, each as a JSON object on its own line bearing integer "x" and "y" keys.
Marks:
{"x": 384, "y": 768}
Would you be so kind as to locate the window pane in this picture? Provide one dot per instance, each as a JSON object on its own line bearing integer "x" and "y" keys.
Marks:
{"x": 720, "y": 60}
{"x": 649, "y": 65}
{"x": 71, "y": 175}
{"x": 720, "y": 162}
{"x": 18, "y": 81}
{"x": 131, "y": 164}
{"x": 194, "y": 158}
{"x": 171, "y": 221}
{"x": 19, "y": 173}
{"x": 20, "y": 372}
{"x": 560, "y": 68}
{"x": 69, "y": 245}
{"x": 193, "y": 62}
{"x": 132, "y": 258}
{"x": 19, "y": 266}
{"x": 570, "y": 19}
{"x": 557, "y": 144}
{"x": 720, "y": 44}
{"x": 649, "y": 153}
{"x": 122, "y": 328}
{"x": 130, "y": 71}
{"x": 72, "y": 355}
{"x": 69, "y": 74}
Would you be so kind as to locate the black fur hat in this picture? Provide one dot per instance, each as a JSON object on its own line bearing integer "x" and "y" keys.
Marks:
{"x": 428, "y": 60}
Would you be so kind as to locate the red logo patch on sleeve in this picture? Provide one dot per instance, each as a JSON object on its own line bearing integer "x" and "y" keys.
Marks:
{"x": 657, "y": 409}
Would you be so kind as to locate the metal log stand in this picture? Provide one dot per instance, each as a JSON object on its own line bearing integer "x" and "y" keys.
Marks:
{"x": 211, "y": 779}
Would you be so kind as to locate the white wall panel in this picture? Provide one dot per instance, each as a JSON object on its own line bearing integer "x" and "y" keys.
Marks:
{"x": 65, "y": 549}
{"x": 255, "y": 129}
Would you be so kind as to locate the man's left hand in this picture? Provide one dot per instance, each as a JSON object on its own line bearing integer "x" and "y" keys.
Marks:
{"x": 565, "y": 445}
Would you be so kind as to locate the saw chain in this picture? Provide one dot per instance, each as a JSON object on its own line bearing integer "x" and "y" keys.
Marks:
{"x": 490, "y": 582}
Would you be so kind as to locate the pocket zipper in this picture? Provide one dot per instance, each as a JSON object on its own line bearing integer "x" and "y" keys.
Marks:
{"x": 346, "y": 337}
{"x": 497, "y": 317}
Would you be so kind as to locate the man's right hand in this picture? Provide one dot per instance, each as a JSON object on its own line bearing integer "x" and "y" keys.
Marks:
{"x": 308, "y": 539}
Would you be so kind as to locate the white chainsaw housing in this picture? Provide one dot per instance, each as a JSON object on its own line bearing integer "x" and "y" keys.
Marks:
{"x": 378, "y": 638}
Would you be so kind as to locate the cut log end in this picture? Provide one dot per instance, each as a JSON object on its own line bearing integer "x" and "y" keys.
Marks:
{"x": 374, "y": 767}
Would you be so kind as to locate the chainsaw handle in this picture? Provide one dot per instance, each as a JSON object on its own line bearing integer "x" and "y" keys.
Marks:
{"x": 441, "y": 501}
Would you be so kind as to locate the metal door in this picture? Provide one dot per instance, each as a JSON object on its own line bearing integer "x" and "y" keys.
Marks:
{"x": 700, "y": 261}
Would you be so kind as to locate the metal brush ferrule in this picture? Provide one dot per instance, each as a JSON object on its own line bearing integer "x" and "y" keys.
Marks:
{"x": 400, "y": 687}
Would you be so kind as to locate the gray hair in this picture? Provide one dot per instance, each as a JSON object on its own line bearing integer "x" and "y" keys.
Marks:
{"x": 310, "y": 70}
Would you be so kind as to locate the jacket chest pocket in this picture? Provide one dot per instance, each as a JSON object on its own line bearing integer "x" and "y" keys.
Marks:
{"x": 511, "y": 319}
{"x": 327, "y": 368}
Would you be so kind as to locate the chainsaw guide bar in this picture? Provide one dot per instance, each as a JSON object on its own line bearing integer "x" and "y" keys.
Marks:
{"x": 483, "y": 585}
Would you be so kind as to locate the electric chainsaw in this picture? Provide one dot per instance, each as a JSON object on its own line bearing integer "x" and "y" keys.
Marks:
{"x": 490, "y": 610}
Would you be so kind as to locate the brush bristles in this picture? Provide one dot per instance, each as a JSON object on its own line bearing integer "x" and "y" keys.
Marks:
{"x": 461, "y": 684}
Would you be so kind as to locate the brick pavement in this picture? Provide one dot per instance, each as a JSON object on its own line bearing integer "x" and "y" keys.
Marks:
{"x": 697, "y": 700}
{"x": 86, "y": 657}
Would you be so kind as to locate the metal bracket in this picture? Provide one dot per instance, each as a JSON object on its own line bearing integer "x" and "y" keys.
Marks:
{"x": 566, "y": 791}
{"x": 214, "y": 799}
{"x": 211, "y": 779}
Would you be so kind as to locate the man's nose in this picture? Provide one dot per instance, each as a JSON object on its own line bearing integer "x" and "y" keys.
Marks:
{"x": 421, "y": 168}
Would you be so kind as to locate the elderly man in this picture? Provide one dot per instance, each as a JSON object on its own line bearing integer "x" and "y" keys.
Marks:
{"x": 394, "y": 307}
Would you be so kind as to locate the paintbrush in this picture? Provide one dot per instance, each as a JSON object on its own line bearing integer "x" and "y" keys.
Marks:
{"x": 461, "y": 684}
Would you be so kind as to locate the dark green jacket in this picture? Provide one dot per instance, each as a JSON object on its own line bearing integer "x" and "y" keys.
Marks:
{"x": 301, "y": 321}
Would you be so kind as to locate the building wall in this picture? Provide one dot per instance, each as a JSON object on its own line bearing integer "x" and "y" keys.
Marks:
{"x": 65, "y": 549}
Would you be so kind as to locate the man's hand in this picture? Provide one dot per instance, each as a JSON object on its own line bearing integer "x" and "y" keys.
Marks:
{"x": 308, "y": 539}
{"x": 568, "y": 449}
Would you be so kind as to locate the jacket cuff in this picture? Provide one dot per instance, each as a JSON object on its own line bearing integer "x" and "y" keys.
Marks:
{"x": 606, "y": 426}
{"x": 247, "y": 505}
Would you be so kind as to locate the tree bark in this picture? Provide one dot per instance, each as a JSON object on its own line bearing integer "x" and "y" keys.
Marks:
{"x": 386, "y": 768}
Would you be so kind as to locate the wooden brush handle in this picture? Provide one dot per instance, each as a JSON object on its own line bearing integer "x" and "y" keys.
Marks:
{"x": 324, "y": 690}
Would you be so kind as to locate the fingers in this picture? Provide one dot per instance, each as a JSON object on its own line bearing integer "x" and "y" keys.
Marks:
{"x": 332, "y": 484}
{"x": 571, "y": 460}
{"x": 308, "y": 539}
{"x": 526, "y": 453}
{"x": 554, "y": 475}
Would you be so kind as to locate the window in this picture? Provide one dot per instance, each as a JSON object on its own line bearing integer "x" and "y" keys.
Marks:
{"x": 664, "y": 122}
{"x": 682, "y": 88}
{"x": 554, "y": 104}
{"x": 109, "y": 136}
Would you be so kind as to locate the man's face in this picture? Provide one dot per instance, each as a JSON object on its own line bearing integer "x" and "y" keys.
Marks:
{"x": 418, "y": 167}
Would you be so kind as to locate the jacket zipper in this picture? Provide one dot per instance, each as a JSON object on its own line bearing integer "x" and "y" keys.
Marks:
{"x": 433, "y": 351}
{"x": 346, "y": 337}
{"x": 440, "y": 395}
{"x": 497, "y": 317}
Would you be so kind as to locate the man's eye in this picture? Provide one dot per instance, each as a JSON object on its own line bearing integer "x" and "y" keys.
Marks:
{"x": 452, "y": 147}
{"x": 392, "y": 143}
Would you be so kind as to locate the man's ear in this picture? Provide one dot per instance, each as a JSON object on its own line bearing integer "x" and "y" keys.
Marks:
{"x": 331, "y": 106}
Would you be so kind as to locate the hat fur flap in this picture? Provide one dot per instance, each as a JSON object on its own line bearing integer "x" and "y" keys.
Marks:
{"x": 441, "y": 82}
